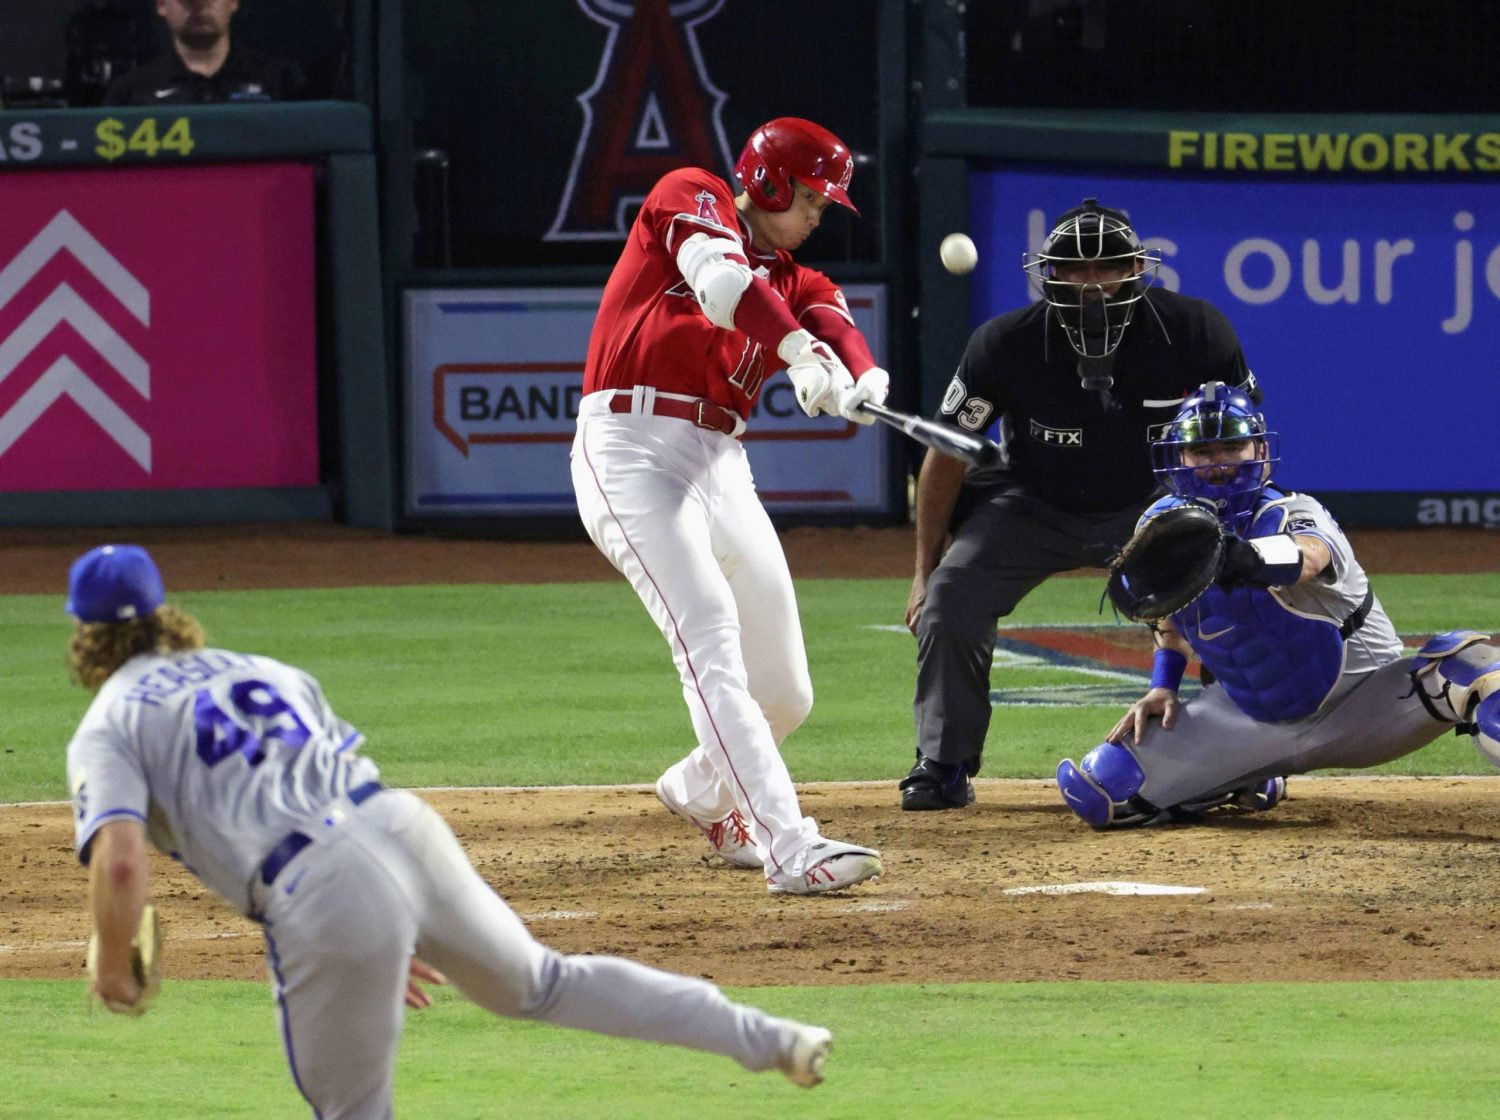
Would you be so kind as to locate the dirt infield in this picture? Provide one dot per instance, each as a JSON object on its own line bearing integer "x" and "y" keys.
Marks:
{"x": 1348, "y": 879}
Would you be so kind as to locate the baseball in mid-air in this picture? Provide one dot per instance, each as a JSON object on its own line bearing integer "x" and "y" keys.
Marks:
{"x": 958, "y": 253}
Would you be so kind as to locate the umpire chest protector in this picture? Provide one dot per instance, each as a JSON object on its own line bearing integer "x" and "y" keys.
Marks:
{"x": 1275, "y": 664}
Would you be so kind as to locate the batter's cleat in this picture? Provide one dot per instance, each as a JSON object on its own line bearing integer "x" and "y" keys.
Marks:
{"x": 729, "y": 838}
{"x": 805, "y": 1058}
{"x": 937, "y": 785}
{"x": 844, "y": 865}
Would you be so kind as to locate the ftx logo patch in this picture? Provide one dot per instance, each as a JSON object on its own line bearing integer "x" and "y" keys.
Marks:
{"x": 1057, "y": 437}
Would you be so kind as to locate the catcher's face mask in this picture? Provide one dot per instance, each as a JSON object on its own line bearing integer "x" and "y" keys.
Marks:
{"x": 1218, "y": 416}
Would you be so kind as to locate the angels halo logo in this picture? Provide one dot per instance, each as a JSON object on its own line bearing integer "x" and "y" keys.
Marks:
{"x": 651, "y": 109}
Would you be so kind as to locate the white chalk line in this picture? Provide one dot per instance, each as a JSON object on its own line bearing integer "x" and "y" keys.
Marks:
{"x": 1104, "y": 888}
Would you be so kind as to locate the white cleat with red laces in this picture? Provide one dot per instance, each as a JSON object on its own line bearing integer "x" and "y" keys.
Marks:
{"x": 729, "y": 838}
{"x": 831, "y": 865}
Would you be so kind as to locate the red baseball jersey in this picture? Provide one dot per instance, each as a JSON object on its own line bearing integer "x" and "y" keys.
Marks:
{"x": 650, "y": 329}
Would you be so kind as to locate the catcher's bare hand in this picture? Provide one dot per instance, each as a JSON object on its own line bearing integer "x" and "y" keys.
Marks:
{"x": 1159, "y": 702}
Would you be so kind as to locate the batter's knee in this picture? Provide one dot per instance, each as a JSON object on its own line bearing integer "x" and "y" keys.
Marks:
{"x": 789, "y": 710}
{"x": 1103, "y": 789}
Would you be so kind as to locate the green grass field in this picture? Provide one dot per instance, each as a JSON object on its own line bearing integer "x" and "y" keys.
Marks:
{"x": 522, "y": 685}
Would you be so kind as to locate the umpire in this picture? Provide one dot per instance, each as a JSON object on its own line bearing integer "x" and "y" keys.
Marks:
{"x": 1078, "y": 381}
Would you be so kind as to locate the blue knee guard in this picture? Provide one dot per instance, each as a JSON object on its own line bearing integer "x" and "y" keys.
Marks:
{"x": 1487, "y": 728}
{"x": 1100, "y": 789}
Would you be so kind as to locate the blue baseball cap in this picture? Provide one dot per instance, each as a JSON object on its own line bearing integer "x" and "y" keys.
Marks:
{"x": 112, "y": 583}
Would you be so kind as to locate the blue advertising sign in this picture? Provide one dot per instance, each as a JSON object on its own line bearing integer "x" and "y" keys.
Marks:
{"x": 1369, "y": 311}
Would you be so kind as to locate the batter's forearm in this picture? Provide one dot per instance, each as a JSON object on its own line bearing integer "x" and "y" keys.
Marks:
{"x": 842, "y": 335}
{"x": 764, "y": 315}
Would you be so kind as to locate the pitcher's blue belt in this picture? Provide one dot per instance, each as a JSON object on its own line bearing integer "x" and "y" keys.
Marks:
{"x": 293, "y": 842}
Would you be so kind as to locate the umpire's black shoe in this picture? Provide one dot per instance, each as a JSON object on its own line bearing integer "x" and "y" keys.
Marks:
{"x": 936, "y": 785}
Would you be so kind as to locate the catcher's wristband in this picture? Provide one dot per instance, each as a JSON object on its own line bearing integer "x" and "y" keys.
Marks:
{"x": 1167, "y": 668}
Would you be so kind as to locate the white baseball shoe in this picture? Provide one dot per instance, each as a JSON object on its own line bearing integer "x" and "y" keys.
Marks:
{"x": 729, "y": 838}
{"x": 804, "y": 1059}
{"x": 833, "y": 865}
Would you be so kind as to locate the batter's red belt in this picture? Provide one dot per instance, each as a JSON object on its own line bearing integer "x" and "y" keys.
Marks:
{"x": 705, "y": 414}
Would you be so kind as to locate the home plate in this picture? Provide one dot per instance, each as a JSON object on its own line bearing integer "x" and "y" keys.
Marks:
{"x": 1111, "y": 887}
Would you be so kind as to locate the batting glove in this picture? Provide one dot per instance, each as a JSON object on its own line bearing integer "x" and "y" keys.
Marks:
{"x": 873, "y": 386}
{"x": 817, "y": 374}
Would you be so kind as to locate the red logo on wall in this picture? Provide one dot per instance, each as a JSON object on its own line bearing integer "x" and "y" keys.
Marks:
{"x": 650, "y": 110}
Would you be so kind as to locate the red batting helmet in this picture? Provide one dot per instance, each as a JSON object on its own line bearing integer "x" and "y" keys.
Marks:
{"x": 791, "y": 148}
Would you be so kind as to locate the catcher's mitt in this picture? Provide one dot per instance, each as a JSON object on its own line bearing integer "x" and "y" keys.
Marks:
{"x": 145, "y": 962}
{"x": 1170, "y": 561}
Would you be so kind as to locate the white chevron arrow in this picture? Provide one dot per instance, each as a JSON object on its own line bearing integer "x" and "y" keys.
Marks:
{"x": 65, "y": 232}
{"x": 64, "y": 379}
{"x": 65, "y": 305}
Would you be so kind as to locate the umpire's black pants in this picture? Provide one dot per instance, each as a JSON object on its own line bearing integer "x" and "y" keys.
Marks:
{"x": 1005, "y": 543}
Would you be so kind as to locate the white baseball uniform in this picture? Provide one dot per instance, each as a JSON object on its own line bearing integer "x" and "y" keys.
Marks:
{"x": 665, "y": 490}
{"x": 237, "y": 767}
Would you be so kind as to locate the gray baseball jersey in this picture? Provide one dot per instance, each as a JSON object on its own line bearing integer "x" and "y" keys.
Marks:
{"x": 1368, "y": 715}
{"x": 238, "y": 767}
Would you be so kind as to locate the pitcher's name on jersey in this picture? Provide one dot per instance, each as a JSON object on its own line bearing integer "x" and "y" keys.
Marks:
{"x": 186, "y": 672}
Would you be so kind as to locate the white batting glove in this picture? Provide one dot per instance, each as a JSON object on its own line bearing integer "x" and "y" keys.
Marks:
{"x": 874, "y": 385}
{"x": 817, "y": 374}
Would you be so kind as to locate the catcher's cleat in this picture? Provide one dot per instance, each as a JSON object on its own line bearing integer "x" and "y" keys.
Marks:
{"x": 1257, "y": 797}
{"x": 729, "y": 838}
{"x": 937, "y": 785}
{"x": 844, "y": 866}
{"x": 804, "y": 1059}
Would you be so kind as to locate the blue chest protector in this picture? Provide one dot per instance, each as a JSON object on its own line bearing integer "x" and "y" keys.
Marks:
{"x": 1274, "y": 664}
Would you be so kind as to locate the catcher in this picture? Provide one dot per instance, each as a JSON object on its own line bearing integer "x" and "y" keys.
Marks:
{"x": 1303, "y": 667}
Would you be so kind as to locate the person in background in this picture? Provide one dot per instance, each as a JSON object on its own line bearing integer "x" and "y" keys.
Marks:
{"x": 203, "y": 64}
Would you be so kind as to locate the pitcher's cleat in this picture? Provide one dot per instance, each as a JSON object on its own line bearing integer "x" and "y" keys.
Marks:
{"x": 804, "y": 1060}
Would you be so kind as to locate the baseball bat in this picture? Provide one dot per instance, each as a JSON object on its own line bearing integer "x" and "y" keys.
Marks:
{"x": 950, "y": 441}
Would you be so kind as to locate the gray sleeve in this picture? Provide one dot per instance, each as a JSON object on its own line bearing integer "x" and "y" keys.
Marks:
{"x": 107, "y": 783}
{"x": 1307, "y": 517}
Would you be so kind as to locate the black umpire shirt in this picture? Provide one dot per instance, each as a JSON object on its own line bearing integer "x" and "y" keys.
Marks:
{"x": 246, "y": 76}
{"x": 1073, "y": 447}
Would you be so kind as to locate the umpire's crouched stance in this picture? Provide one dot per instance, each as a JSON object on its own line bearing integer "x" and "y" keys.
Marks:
{"x": 1077, "y": 380}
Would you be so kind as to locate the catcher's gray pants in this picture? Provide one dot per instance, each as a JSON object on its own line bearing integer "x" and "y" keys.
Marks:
{"x": 344, "y": 919}
{"x": 1214, "y": 747}
{"x": 1009, "y": 544}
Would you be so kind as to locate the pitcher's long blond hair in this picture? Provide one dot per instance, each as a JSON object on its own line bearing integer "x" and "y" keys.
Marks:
{"x": 99, "y": 648}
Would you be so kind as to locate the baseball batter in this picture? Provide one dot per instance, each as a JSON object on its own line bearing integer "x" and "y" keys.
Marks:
{"x": 1307, "y": 670}
{"x": 236, "y": 766}
{"x": 704, "y": 305}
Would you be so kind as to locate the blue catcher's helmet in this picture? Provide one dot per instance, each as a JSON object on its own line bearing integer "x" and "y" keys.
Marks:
{"x": 1217, "y": 414}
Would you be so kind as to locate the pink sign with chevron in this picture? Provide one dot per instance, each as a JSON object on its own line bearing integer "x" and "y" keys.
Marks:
{"x": 157, "y": 328}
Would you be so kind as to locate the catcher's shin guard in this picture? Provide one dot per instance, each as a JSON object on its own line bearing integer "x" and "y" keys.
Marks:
{"x": 1102, "y": 788}
{"x": 1465, "y": 672}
